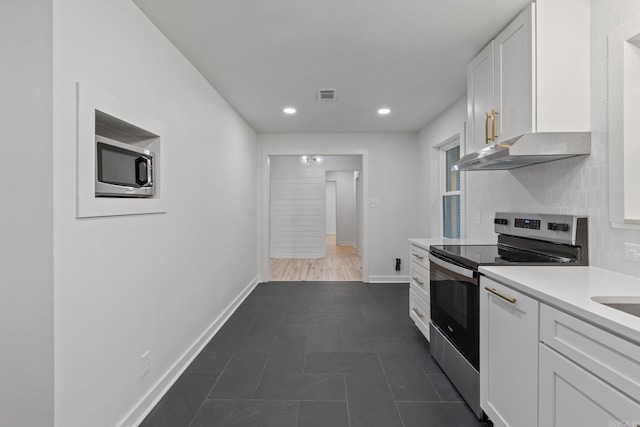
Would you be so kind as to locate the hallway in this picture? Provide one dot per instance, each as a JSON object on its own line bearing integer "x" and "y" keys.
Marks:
{"x": 341, "y": 263}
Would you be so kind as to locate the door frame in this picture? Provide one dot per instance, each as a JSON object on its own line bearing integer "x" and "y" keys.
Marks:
{"x": 264, "y": 205}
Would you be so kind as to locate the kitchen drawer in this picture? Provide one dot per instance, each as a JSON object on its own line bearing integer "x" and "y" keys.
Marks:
{"x": 420, "y": 312}
{"x": 615, "y": 360}
{"x": 419, "y": 256}
{"x": 420, "y": 281}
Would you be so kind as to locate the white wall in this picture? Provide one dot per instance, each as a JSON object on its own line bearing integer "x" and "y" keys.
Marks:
{"x": 444, "y": 127}
{"x": 359, "y": 212}
{"x": 128, "y": 284}
{"x": 26, "y": 252}
{"x": 393, "y": 162}
{"x": 345, "y": 222}
{"x": 330, "y": 207}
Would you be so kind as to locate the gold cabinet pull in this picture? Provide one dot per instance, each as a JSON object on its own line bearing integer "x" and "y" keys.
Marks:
{"x": 420, "y": 315}
{"x": 498, "y": 294}
{"x": 494, "y": 113}
{"x": 418, "y": 281}
{"x": 486, "y": 128}
{"x": 418, "y": 256}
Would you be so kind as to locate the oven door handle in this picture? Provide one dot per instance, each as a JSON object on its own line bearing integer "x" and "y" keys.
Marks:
{"x": 452, "y": 267}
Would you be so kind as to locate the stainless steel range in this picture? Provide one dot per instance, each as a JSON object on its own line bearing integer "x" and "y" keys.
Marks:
{"x": 523, "y": 239}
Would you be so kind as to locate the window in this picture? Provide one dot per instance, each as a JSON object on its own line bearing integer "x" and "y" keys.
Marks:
{"x": 451, "y": 200}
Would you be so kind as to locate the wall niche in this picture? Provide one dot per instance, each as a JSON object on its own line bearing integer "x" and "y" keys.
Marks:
{"x": 100, "y": 115}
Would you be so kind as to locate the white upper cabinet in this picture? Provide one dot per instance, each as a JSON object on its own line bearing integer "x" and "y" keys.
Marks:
{"x": 533, "y": 77}
{"x": 514, "y": 76}
{"x": 479, "y": 98}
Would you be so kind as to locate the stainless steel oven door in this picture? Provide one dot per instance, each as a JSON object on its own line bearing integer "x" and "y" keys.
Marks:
{"x": 455, "y": 305}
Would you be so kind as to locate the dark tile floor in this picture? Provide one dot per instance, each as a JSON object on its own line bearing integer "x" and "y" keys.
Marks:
{"x": 315, "y": 354}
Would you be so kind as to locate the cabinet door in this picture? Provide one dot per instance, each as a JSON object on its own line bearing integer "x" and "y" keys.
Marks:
{"x": 514, "y": 77}
{"x": 479, "y": 98}
{"x": 572, "y": 396}
{"x": 508, "y": 355}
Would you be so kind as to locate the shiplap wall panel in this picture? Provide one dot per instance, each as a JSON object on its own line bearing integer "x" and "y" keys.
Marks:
{"x": 297, "y": 208}
{"x": 298, "y": 199}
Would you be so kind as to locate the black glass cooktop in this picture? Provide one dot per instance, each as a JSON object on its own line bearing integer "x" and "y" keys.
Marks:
{"x": 476, "y": 255}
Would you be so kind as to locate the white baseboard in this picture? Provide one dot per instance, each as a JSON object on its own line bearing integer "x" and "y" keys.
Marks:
{"x": 388, "y": 279}
{"x": 142, "y": 409}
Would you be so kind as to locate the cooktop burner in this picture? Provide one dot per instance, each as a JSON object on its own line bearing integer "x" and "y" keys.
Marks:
{"x": 476, "y": 255}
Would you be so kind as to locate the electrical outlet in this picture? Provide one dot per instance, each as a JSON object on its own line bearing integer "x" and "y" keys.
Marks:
{"x": 632, "y": 252}
{"x": 144, "y": 364}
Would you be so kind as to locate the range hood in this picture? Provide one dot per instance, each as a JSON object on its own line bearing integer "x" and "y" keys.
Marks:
{"x": 527, "y": 149}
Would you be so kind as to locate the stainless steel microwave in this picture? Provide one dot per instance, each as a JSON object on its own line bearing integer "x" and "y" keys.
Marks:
{"x": 123, "y": 170}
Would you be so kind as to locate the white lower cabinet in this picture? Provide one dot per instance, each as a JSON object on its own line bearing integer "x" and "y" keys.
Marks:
{"x": 588, "y": 377}
{"x": 540, "y": 366}
{"x": 419, "y": 295}
{"x": 508, "y": 355}
{"x": 572, "y": 396}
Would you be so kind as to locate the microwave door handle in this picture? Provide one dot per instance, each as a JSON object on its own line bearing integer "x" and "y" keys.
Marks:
{"x": 143, "y": 179}
{"x": 452, "y": 267}
{"x": 149, "y": 172}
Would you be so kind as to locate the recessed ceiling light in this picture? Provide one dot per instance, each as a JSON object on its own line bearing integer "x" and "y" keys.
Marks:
{"x": 289, "y": 110}
{"x": 384, "y": 111}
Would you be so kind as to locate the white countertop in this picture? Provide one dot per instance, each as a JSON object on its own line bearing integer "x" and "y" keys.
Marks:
{"x": 570, "y": 289}
{"x": 425, "y": 243}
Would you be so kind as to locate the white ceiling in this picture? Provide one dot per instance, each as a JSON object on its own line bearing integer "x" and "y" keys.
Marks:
{"x": 263, "y": 55}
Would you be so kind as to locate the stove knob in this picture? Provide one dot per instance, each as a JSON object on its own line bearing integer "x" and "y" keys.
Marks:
{"x": 563, "y": 227}
{"x": 552, "y": 226}
{"x": 500, "y": 221}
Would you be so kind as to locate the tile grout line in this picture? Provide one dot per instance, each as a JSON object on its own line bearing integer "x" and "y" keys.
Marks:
{"x": 211, "y": 389}
{"x": 264, "y": 366}
{"x": 386, "y": 378}
{"x": 346, "y": 398}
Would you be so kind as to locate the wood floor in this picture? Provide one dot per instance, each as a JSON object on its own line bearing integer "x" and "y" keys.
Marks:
{"x": 342, "y": 263}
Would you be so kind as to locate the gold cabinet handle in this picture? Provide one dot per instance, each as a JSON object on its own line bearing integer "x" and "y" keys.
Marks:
{"x": 498, "y": 294}
{"x": 486, "y": 128}
{"x": 418, "y": 281}
{"x": 494, "y": 113}
{"x": 418, "y": 256}
{"x": 420, "y": 315}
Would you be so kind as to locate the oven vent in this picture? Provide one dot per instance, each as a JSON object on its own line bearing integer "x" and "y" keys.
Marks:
{"x": 326, "y": 95}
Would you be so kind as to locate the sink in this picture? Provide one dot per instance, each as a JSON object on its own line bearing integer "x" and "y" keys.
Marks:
{"x": 630, "y": 305}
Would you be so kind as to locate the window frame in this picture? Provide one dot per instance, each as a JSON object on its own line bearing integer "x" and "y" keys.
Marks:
{"x": 452, "y": 142}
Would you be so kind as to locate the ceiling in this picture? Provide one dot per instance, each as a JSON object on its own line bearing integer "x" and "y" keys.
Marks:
{"x": 264, "y": 55}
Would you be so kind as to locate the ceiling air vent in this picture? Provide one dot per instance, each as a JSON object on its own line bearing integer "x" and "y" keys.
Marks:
{"x": 326, "y": 95}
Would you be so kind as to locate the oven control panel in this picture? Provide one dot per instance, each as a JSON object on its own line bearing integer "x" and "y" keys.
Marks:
{"x": 533, "y": 224}
{"x": 551, "y": 227}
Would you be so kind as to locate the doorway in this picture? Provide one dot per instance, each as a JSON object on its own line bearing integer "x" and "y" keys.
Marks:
{"x": 287, "y": 255}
